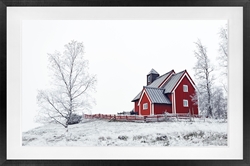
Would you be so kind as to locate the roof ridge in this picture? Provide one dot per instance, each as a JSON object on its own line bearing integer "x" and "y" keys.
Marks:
{"x": 180, "y": 72}
{"x": 153, "y": 87}
{"x": 165, "y": 74}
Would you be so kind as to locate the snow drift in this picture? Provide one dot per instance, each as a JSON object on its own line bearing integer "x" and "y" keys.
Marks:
{"x": 104, "y": 133}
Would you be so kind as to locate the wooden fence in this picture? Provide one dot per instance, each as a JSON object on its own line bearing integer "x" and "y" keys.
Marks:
{"x": 139, "y": 118}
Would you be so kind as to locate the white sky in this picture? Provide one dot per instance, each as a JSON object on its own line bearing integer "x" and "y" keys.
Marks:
{"x": 120, "y": 53}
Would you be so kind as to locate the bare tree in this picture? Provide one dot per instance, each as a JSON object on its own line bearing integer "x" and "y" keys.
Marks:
{"x": 203, "y": 70}
{"x": 198, "y": 99}
{"x": 221, "y": 107}
{"x": 70, "y": 86}
{"x": 219, "y": 103}
{"x": 223, "y": 55}
{"x": 223, "y": 47}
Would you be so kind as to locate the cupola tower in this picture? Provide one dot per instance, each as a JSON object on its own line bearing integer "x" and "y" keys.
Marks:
{"x": 152, "y": 75}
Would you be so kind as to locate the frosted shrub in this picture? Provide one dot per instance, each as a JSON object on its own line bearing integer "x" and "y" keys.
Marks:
{"x": 123, "y": 137}
{"x": 74, "y": 119}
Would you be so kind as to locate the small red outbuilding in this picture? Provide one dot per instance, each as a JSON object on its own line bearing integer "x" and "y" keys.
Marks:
{"x": 170, "y": 92}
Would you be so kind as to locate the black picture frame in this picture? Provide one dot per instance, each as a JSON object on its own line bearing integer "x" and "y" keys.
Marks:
{"x": 177, "y": 3}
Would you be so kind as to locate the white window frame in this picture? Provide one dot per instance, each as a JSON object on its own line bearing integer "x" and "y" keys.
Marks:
{"x": 185, "y": 88}
{"x": 145, "y": 106}
{"x": 185, "y": 103}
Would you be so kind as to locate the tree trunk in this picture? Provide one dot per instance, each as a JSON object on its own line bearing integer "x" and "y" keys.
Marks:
{"x": 66, "y": 127}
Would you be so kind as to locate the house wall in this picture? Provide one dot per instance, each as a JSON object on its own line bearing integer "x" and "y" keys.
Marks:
{"x": 170, "y": 97}
{"x": 180, "y": 96}
{"x": 144, "y": 99}
{"x": 136, "y": 107}
{"x": 161, "y": 108}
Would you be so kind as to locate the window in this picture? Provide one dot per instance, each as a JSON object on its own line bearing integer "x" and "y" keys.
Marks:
{"x": 185, "y": 88}
{"x": 149, "y": 78}
{"x": 185, "y": 103}
{"x": 145, "y": 106}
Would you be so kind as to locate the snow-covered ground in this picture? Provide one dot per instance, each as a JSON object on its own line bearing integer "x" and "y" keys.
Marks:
{"x": 104, "y": 133}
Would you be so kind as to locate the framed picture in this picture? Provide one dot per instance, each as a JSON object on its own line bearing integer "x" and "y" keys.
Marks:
{"x": 35, "y": 28}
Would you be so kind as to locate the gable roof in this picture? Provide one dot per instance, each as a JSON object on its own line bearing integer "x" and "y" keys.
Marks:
{"x": 160, "y": 79}
{"x": 137, "y": 97}
{"x": 156, "y": 95}
{"x": 170, "y": 84}
{"x": 155, "y": 84}
{"x": 165, "y": 83}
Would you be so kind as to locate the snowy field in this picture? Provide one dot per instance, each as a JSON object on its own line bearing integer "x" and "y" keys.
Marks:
{"x": 104, "y": 133}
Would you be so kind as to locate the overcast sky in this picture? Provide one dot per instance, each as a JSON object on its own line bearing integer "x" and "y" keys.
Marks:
{"x": 120, "y": 52}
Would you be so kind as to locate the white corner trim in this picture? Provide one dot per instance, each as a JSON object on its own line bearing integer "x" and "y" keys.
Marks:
{"x": 172, "y": 96}
{"x": 153, "y": 109}
{"x": 174, "y": 111}
{"x": 139, "y": 103}
{"x": 191, "y": 82}
{"x": 168, "y": 77}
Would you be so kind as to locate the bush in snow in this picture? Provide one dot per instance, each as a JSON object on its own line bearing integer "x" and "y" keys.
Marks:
{"x": 123, "y": 137}
{"x": 161, "y": 138}
{"x": 74, "y": 119}
{"x": 198, "y": 134}
{"x": 139, "y": 137}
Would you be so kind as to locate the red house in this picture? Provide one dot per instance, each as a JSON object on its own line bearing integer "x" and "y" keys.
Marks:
{"x": 170, "y": 92}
